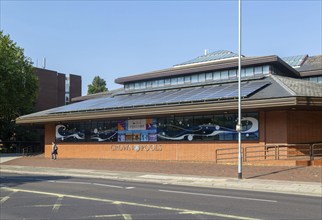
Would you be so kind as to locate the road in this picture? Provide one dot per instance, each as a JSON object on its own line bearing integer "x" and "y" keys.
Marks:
{"x": 55, "y": 197}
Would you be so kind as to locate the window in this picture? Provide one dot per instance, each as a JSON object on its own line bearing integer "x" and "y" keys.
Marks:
{"x": 249, "y": 71}
{"x": 258, "y": 70}
{"x": 216, "y": 75}
{"x": 243, "y": 72}
{"x": 319, "y": 79}
{"x": 148, "y": 84}
{"x": 208, "y": 76}
{"x": 155, "y": 83}
{"x": 313, "y": 79}
{"x": 137, "y": 86}
{"x": 174, "y": 81}
{"x": 219, "y": 127}
{"x": 194, "y": 78}
{"x": 232, "y": 73}
{"x": 224, "y": 74}
{"x": 180, "y": 80}
{"x": 266, "y": 69}
{"x": 161, "y": 82}
{"x": 209, "y": 127}
{"x": 167, "y": 82}
{"x": 187, "y": 79}
{"x": 202, "y": 77}
{"x": 142, "y": 85}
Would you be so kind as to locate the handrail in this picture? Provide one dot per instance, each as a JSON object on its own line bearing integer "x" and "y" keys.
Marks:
{"x": 20, "y": 146}
{"x": 227, "y": 149}
{"x": 280, "y": 151}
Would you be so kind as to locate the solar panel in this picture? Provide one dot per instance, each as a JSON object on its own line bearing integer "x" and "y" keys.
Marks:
{"x": 194, "y": 94}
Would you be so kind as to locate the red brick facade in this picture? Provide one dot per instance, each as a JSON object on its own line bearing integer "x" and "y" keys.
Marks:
{"x": 283, "y": 127}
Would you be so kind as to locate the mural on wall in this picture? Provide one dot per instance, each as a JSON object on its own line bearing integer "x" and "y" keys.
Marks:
{"x": 208, "y": 130}
{"x": 75, "y": 133}
{"x": 64, "y": 133}
{"x": 103, "y": 135}
{"x": 211, "y": 127}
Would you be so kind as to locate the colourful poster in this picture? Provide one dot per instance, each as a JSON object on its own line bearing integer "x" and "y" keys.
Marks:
{"x": 137, "y": 130}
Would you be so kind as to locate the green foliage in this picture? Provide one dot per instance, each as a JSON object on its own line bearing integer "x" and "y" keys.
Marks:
{"x": 98, "y": 85}
{"x": 18, "y": 85}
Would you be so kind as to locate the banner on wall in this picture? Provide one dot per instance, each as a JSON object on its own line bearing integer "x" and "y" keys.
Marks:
{"x": 137, "y": 130}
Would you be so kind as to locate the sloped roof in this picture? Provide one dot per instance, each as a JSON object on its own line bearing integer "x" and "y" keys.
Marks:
{"x": 299, "y": 87}
{"x": 262, "y": 90}
{"x": 311, "y": 63}
{"x": 210, "y": 66}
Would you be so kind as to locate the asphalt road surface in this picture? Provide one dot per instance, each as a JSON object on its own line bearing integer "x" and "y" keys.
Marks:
{"x": 53, "y": 197}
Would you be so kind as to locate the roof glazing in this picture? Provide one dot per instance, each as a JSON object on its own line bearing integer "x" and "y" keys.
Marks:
{"x": 295, "y": 61}
{"x": 217, "y": 55}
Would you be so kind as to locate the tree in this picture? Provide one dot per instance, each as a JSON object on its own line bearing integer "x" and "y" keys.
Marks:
{"x": 18, "y": 86}
{"x": 98, "y": 85}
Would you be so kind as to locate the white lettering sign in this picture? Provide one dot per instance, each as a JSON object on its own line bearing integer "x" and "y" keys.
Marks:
{"x": 139, "y": 124}
{"x": 137, "y": 148}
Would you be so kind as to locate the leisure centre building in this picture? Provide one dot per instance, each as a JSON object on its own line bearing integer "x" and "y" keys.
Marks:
{"x": 189, "y": 111}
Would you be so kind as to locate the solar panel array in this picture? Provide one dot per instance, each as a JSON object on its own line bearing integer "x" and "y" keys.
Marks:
{"x": 295, "y": 61}
{"x": 217, "y": 55}
{"x": 191, "y": 94}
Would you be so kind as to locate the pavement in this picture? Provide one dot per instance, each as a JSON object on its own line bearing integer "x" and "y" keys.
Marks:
{"x": 304, "y": 180}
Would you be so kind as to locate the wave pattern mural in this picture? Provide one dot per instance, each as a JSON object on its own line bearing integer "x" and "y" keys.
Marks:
{"x": 207, "y": 130}
{"x": 211, "y": 127}
{"x": 63, "y": 133}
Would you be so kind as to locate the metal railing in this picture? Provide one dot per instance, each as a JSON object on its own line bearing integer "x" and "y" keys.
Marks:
{"x": 228, "y": 154}
{"x": 21, "y": 147}
{"x": 272, "y": 152}
{"x": 316, "y": 150}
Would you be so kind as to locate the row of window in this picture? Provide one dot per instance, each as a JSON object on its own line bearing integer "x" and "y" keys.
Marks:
{"x": 317, "y": 79}
{"x": 198, "y": 78}
{"x": 214, "y": 127}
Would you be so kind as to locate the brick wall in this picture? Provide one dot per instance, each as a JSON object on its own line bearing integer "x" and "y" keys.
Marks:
{"x": 275, "y": 127}
{"x": 304, "y": 126}
{"x": 181, "y": 151}
{"x": 75, "y": 89}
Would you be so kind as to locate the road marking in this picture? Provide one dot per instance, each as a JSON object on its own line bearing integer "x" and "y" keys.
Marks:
{"x": 125, "y": 216}
{"x": 85, "y": 183}
{"x": 179, "y": 210}
{"x": 4, "y": 199}
{"x": 57, "y": 204}
{"x": 130, "y": 187}
{"x": 68, "y": 182}
{"x": 211, "y": 195}
{"x": 113, "y": 186}
{"x": 40, "y": 206}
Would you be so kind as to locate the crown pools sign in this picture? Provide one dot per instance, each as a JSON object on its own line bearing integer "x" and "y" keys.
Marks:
{"x": 137, "y": 147}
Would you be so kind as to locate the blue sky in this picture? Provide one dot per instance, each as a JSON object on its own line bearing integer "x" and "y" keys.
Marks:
{"x": 114, "y": 39}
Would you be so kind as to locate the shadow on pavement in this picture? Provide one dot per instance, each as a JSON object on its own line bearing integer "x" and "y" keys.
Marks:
{"x": 13, "y": 180}
{"x": 274, "y": 172}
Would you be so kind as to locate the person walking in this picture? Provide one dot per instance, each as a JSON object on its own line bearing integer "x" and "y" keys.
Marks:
{"x": 54, "y": 151}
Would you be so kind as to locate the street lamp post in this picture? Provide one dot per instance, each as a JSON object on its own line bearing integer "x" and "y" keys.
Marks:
{"x": 239, "y": 126}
